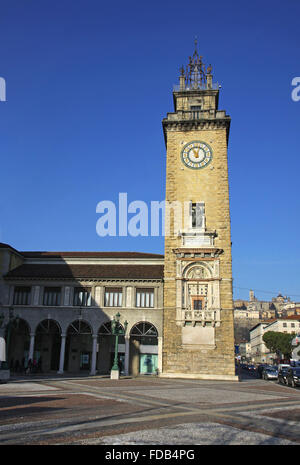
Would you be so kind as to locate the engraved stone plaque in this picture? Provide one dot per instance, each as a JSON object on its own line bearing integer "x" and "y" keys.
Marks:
{"x": 198, "y": 335}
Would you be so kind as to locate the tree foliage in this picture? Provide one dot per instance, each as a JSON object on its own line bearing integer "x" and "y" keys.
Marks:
{"x": 279, "y": 342}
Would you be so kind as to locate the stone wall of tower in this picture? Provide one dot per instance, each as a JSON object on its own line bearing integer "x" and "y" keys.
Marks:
{"x": 210, "y": 185}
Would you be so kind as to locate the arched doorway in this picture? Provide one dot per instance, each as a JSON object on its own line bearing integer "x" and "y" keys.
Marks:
{"x": 18, "y": 344}
{"x": 107, "y": 350}
{"x": 47, "y": 345}
{"x": 144, "y": 349}
{"x": 79, "y": 347}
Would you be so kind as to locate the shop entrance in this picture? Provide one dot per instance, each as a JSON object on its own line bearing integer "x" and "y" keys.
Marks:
{"x": 78, "y": 347}
{"x": 144, "y": 349}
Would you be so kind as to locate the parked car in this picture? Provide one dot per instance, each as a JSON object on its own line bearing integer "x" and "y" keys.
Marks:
{"x": 282, "y": 373}
{"x": 294, "y": 363}
{"x": 270, "y": 372}
{"x": 293, "y": 376}
{"x": 251, "y": 368}
{"x": 260, "y": 369}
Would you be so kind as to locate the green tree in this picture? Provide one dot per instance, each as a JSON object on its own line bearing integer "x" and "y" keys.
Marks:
{"x": 286, "y": 347}
{"x": 279, "y": 342}
{"x": 271, "y": 340}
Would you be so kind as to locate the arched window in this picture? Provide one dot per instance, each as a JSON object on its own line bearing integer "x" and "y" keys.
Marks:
{"x": 79, "y": 327}
{"x": 145, "y": 332}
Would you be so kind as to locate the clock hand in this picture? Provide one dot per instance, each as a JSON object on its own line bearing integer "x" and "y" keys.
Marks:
{"x": 196, "y": 154}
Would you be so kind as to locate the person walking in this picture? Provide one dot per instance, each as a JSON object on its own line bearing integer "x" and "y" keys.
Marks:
{"x": 39, "y": 365}
{"x": 29, "y": 366}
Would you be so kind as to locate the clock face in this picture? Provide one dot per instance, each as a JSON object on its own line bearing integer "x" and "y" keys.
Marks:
{"x": 196, "y": 154}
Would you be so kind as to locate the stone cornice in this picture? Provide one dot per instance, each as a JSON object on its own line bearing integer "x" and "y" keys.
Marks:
{"x": 197, "y": 254}
{"x": 198, "y": 280}
{"x": 195, "y": 124}
{"x": 184, "y": 125}
{"x": 187, "y": 124}
{"x": 195, "y": 92}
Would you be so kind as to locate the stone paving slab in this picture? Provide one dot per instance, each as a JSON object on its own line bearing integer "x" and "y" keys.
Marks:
{"x": 150, "y": 411}
{"x": 191, "y": 434}
{"x": 58, "y": 407}
{"x": 208, "y": 395}
{"x": 24, "y": 387}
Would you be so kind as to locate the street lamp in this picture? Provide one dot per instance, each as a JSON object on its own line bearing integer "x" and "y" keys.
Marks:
{"x": 117, "y": 330}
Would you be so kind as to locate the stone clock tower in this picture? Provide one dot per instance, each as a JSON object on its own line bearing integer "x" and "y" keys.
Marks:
{"x": 198, "y": 339}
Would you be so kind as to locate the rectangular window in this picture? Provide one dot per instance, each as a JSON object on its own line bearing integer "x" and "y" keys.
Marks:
{"x": 21, "y": 295}
{"x": 113, "y": 297}
{"x": 52, "y": 296}
{"x": 197, "y": 304}
{"x": 145, "y": 297}
{"x": 82, "y": 297}
{"x": 284, "y": 325}
{"x": 197, "y": 214}
{"x": 196, "y": 111}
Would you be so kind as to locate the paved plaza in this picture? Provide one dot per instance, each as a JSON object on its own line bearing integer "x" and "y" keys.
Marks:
{"x": 88, "y": 410}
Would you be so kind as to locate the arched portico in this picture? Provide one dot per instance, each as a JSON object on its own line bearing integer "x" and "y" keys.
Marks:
{"x": 144, "y": 349}
{"x": 47, "y": 345}
{"x": 107, "y": 350}
{"x": 19, "y": 342}
{"x": 79, "y": 347}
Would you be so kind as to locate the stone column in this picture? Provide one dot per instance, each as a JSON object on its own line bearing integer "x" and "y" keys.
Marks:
{"x": 127, "y": 345}
{"x": 31, "y": 347}
{"x": 159, "y": 358}
{"x": 94, "y": 355}
{"x": 98, "y": 296}
{"x": 66, "y": 297}
{"x": 62, "y": 354}
{"x": 209, "y": 81}
{"x": 155, "y": 303}
{"x": 129, "y": 296}
{"x": 2, "y": 346}
{"x": 36, "y": 295}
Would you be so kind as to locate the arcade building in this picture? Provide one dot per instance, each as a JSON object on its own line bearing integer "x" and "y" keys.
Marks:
{"x": 63, "y": 304}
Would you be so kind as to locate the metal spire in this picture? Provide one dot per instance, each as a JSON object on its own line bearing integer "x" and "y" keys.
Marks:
{"x": 195, "y": 74}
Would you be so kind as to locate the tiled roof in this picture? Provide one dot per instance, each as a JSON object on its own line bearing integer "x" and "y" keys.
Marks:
{"x": 80, "y": 254}
{"x": 291, "y": 317}
{"x": 91, "y": 254}
{"x": 87, "y": 271}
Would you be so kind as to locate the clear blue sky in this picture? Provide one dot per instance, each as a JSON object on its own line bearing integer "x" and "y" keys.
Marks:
{"x": 88, "y": 83}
